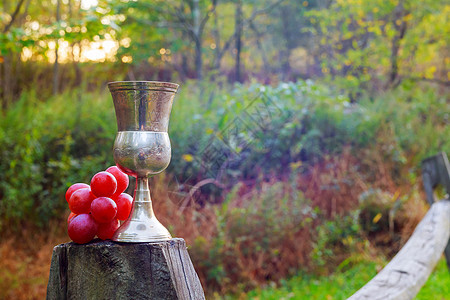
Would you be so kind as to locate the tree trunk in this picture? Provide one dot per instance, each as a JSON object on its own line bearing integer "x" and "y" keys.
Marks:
{"x": 55, "y": 65}
{"x": 216, "y": 34}
{"x": 198, "y": 58}
{"x": 184, "y": 66}
{"x": 238, "y": 44}
{"x": 197, "y": 38}
{"x": 9, "y": 79}
{"x": 286, "y": 52}
{"x": 260, "y": 47}
{"x": 399, "y": 12}
{"x": 13, "y": 16}
{"x": 6, "y": 80}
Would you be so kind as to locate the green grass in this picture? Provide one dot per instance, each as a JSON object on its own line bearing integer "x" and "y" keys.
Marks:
{"x": 438, "y": 285}
{"x": 343, "y": 284}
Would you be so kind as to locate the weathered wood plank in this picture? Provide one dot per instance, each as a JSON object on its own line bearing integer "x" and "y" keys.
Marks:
{"x": 185, "y": 279}
{"x": 108, "y": 270}
{"x": 408, "y": 271}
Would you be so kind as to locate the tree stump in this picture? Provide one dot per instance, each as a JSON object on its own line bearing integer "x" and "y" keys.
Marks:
{"x": 110, "y": 270}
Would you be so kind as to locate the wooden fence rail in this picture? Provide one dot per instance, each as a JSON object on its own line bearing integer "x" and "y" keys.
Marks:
{"x": 408, "y": 271}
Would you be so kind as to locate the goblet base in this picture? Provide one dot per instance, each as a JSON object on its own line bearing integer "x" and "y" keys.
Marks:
{"x": 140, "y": 231}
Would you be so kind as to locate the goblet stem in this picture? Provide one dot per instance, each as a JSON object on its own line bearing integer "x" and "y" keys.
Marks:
{"x": 142, "y": 199}
{"x": 142, "y": 225}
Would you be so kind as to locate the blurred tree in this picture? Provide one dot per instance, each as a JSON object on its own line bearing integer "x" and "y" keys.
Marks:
{"x": 8, "y": 47}
{"x": 182, "y": 27}
{"x": 370, "y": 45}
{"x": 246, "y": 14}
{"x": 238, "y": 33}
{"x": 358, "y": 44}
{"x": 162, "y": 27}
{"x": 291, "y": 32}
{"x": 55, "y": 65}
{"x": 34, "y": 31}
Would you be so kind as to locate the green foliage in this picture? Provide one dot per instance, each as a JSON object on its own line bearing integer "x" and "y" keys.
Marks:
{"x": 36, "y": 29}
{"x": 155, "y": 16}
{"x": 46, "y": 147}
{"x": 377, "y": 211}
{"x": 413, "y": 121}
{"x": 337, "y": 236}
{"x": 256, "y": 125}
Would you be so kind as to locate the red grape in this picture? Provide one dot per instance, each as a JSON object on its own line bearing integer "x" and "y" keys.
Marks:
{"x": 122, "y": 180}
{"x": 80, "y": 201}
{"x": 82, "y": 229}
{"x": 71, "y": 216}
{"x": 73, "y": 188}
{"x": 107, "y": 230}
{"x": 103, "y": 184}
{"x": 124, "y": 203}
{"x": 103, "y": 209}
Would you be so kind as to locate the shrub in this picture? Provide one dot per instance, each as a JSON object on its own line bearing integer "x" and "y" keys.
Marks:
{"x": 260, "y": 236}
{"x": 47, "y": 146}
{"x": 262, "y": 129}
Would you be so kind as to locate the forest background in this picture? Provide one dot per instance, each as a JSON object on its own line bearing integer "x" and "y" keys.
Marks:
{"x": 297, "y": 133}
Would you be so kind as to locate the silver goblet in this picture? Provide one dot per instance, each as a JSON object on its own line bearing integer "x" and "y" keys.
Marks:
{"x": 142, "y": 149}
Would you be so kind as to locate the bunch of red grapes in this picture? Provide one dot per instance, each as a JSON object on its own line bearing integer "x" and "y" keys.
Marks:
{"x": 97, "y": 210}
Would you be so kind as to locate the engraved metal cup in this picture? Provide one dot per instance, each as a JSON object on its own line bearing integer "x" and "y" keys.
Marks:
{"x": 142, "y": 149}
